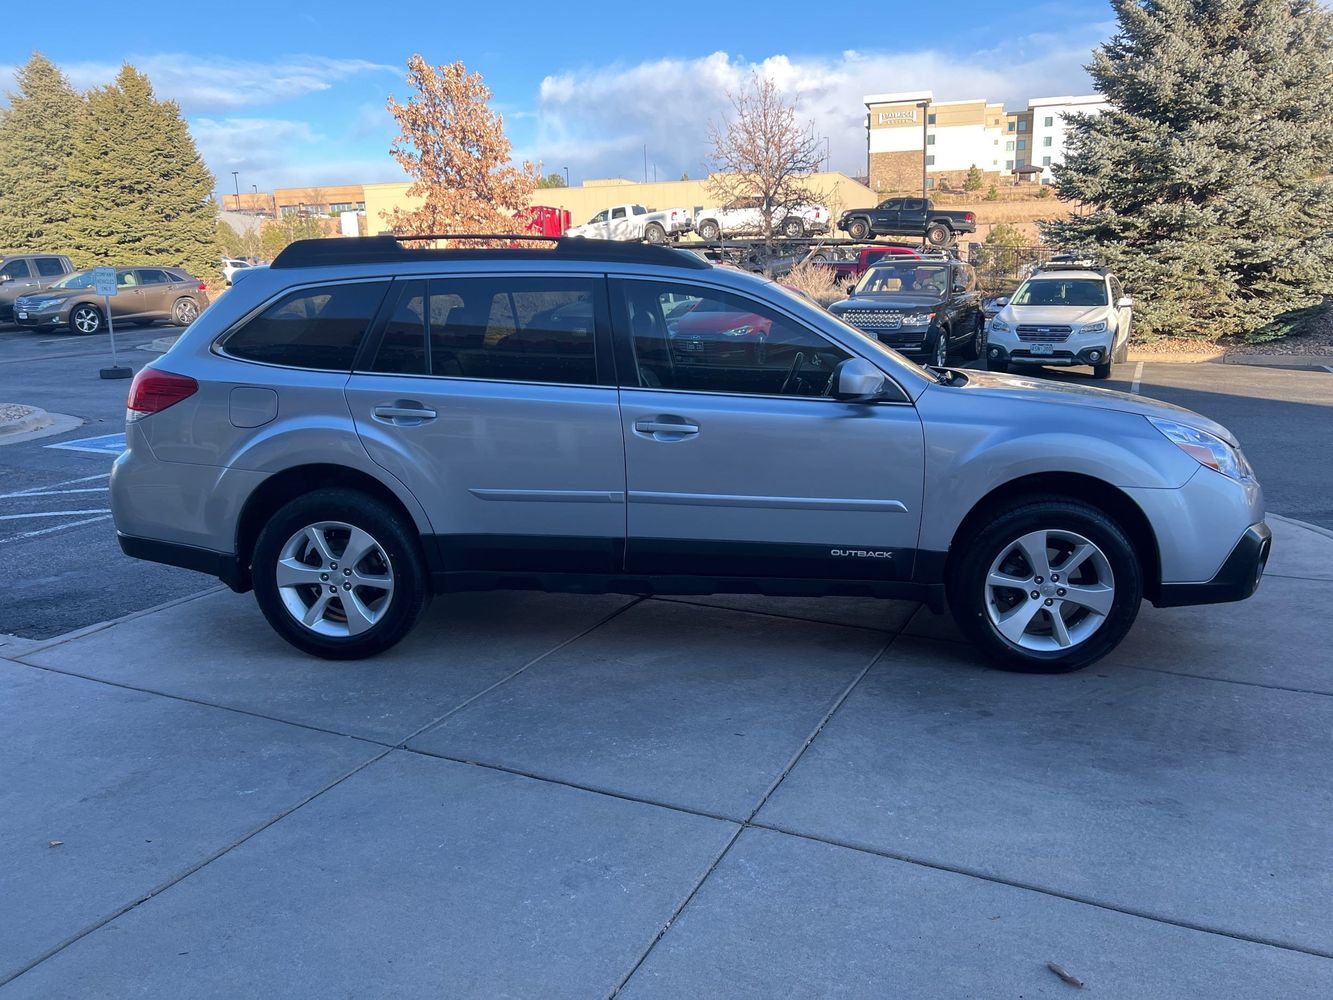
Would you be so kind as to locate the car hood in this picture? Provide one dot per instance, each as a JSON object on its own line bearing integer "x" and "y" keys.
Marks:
{"x": 1033, "y": 390}
{"x": 1054, "y": 315}
{"x": 51, "y": 293}
{"x": 887, "y": 300}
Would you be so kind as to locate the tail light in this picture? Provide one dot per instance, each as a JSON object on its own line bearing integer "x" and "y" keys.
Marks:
{"x": 970, "y": 217}
{"x": 203, "y": 286}
{"x": 152, "y": 391}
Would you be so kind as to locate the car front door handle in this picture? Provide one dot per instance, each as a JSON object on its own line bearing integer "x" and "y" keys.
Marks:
{"x": 666, "y": 428}
{"x": 404, "y": 413}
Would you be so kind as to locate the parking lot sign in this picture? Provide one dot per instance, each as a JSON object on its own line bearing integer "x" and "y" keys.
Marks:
{"x": 104, "y": 280}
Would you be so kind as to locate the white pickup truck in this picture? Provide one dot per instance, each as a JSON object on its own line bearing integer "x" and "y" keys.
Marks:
{"x": 634, "y": 222}
{"x": 745, "y": 217}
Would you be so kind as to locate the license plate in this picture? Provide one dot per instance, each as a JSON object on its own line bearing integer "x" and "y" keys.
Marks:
{"x": 23, "y": 315}
{"x": 1043, "y": 348}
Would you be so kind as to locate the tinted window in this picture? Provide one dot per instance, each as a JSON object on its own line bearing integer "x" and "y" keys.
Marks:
{"x": 1062, "y": 292}
{"x": 521, "y": 329}
{"x": 640, "y": 210}
{"x": 617, "y": 213}
{"x": 913, "y": 205}
{"x": 702, "y": 340}
{"x": 175, "y": 275}
{"x": 15, "y": 269}
{"x": 403, "y": 345}
{"x": 311, "y": 328}
{"x": 891, "y": 204}
{"x": 49, "y": 267}
{"x": 152, "y": 277}
{"x": 908, "y": 277}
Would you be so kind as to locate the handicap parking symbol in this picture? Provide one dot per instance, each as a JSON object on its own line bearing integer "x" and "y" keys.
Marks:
{"x": 105, "y": 444}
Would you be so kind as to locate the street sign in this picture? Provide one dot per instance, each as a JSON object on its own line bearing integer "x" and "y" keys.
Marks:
{"x": 104, "y": 280}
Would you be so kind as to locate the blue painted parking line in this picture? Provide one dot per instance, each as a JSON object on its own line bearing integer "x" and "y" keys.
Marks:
{"x": 106, "y": 444}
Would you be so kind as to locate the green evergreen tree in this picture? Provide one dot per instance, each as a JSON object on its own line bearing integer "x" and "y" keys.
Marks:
{"x": 973, "y": 182}
{"x": 1208, "y": 179}
{"x": 142, "y": 193}
{"x": 37, "y": 136}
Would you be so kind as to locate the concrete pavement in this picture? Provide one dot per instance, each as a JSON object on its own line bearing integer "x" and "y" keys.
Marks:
{"x": 564, "y": 796}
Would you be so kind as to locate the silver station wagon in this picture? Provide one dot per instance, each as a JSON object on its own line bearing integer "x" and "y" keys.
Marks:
{"x": 362, "y": 426}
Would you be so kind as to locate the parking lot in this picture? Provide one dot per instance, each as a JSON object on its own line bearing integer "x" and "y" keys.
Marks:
{"x": 578, "y": 796}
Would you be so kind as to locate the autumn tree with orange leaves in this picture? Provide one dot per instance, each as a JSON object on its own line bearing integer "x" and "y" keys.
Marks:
{"x": 455, "y": 149}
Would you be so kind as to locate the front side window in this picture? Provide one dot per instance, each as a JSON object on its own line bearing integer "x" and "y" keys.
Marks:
{"x": 696, "y": 339}
{"x": 15, "y": 269}
{"x": 600, "y": 216}
{"x": 1082, "y": 292}
{"x": 49, "y": 267}
{"x": 319, "y": 328}
{"x": 891, "y": 205}
{"x": 79, "y": 279}
{"x": 127, "y": 279}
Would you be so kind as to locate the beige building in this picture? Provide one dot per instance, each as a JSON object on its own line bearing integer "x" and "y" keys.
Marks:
{"x": 311, "y": 202}
{"x": 835, "y": 190}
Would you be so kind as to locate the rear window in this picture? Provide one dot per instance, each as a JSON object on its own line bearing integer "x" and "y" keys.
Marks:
{"x": 318, "y": 328}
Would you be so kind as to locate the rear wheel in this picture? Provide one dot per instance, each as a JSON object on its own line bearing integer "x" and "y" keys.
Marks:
{"x": 339, "y": 574}
{"x": 185, "y": 311}
{"x": 85, "y": 319}
{"x": 654, "y": 233}
{"x": 858, "y": 229}
{"x": 793, "y": 228}
{"x": 939, "y": 235}
{"x": 709, "y": 231}
{"x": 1049, "y": 585}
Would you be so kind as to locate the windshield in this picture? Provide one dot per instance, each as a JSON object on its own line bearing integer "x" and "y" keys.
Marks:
{"x": 907, "y": 277}
{"x": 80, "y": 279}
{"x": 1080, "y": 292}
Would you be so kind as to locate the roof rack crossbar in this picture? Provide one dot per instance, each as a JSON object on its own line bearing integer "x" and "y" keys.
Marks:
{"x": 388, "y": 249}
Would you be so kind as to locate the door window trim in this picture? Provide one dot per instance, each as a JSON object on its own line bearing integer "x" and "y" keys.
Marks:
{"x": 624, "y": 347}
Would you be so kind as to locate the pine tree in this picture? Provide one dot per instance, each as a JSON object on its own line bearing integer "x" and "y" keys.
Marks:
{"x": 1208, "y": 179}
{"x": 37, "y": 137}
{"x": 973, "y": 182}
{"x": 142, "y": 192}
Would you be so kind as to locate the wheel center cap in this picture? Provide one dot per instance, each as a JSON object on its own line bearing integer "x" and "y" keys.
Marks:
{"x": 1047, "y": 589}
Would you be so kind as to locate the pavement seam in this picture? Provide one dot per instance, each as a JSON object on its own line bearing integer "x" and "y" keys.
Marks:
{"x": 748, "y": 823}
{"x": 1303, "y": 579}
{"x": 79, "y": 633}
{"x": 1227, "y": 680}
{"x": 1043, "y": 890}
{"x": 176, "y": 880}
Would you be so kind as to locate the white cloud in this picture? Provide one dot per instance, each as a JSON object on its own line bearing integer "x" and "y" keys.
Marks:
{"x": 598, "y": 120}
{"x": 275, "y": 152}
{"x": 211, "y": 84}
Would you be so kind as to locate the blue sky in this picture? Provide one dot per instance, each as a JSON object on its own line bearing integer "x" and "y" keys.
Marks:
{"x": 292, "y": 93}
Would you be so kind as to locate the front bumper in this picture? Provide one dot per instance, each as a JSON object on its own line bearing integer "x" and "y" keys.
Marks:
{"x": 1237, "y": 579}
{"x": 1063, "y": 355}
{"x": 40, "y": 317}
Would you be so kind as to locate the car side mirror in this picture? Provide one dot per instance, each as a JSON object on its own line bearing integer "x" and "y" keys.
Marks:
{"x": 856, "y": 380}
{"x": 1002, "y": 301}
{"x": 6, "y": 277}
{"x": 1124, "y": 302}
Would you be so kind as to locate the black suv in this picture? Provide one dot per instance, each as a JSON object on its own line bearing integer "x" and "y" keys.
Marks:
{"x": 928, "y": 308}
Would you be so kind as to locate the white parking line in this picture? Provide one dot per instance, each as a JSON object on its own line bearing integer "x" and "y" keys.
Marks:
{"x": 53, "y": 493}
{"x": 1138, "y": 377}
{"x": 58, "y": 527}
{"x": 68, "y": 482}
{"x": 54, "y": 513}
{"x": 1327, "y": 368}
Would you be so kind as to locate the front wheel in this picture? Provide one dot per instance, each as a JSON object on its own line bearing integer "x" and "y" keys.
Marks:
{"x": 85, "y": 319}
{"x": 1102, "y": 370}
{"x": 858, "y": 229}
{"x": 976, "y": 344}
{"x": 939, "y": 354}
{"x": 339, "y": 574}
{"x": 1048, "y": 586}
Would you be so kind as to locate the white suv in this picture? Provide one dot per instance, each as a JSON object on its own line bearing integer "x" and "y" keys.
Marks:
{"x": 1064, "y": 314}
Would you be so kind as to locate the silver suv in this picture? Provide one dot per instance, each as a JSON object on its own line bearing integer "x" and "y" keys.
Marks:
{"x": 362, "y": 426}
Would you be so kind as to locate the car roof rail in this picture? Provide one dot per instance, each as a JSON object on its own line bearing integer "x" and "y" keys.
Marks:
{"x": 1071, "y": 265}
{"x": 389, "y": 249}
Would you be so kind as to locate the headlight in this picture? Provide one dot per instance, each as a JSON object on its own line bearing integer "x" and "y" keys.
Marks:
{"x": 738, "y": 331}
{"x": 1098, "y": 327}
{"x": 998, "y": 325}
{"x": 918, "y": 319}
{"x": 1207, "y": 449}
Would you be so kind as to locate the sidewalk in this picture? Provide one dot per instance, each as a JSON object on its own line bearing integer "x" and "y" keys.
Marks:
{"x": 566, "y": 796}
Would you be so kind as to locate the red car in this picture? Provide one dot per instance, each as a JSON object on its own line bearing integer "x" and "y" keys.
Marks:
{"x": 846, "y": 272}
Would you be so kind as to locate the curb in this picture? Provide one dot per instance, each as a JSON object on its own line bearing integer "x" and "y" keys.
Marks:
{"x": 35, "y": 419}
{"x": 1318, "y": 529}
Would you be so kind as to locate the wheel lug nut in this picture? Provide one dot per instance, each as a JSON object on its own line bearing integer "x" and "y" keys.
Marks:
{"x": 1060, "y": 591}
{"x": 1035, "y": 595}
{"x": 1049, "y": 602}
{"x": 347, "y": 572}
{"x": 323, "y": 576}
{"x": 1039, "y": 580}
{"x": 1055, "y": 577}
{"x": 333, "y": 565}
{"x": 333, "y": 590}
{"x": 347, "y": 586}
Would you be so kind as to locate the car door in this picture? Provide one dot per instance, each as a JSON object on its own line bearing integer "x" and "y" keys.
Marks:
{"x": 597, "y": 227}
{"x": 736, "y": 464}
{"x": 128, "y": 302}
{"x": 885, "y": 217}
{"x": 18, "y": 280}
{"x": 491, "y": 397}
{"x": 155, "y": 293}
{"x": 1124, "y": 314}
{"x": 912, "y": 216}
{"x": 964, "y": 303}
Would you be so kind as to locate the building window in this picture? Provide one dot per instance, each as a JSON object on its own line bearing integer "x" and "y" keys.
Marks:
{"x": 1045, "y": 161}
{"x": 1011, "y": 126}
{"x": 1049, "y": 121}
{"x": 930, "y": 182}
{"x": 1008, "y": 164}
{"x": 1022, "y": 144}
{"x": 1046, "y": 141}
{"x": 930, "y": 140}
{"x": 1009, "y": 146}
{"x": 1022, "y": 125}
{"x": 930, "y": 119}
{"x": 930, "y": 161}
{"x": 337, "y": 208}
{"x": 1021, "y": 162}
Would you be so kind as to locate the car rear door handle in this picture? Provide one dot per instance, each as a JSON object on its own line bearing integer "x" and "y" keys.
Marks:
{"x": 403, "y": 413}
{"x": 666, "y": 428}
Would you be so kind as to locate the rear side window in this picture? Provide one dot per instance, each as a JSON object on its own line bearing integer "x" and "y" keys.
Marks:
{"x": 153, "y": 277}
{"x": 516, "y": 329}
{"x": 49, "y": 267}
{"x": 318, "y": 328}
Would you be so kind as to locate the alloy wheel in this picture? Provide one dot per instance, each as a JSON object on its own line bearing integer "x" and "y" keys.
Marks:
{"x": 86, "y": 319}
{"x": 334, "y": 578}
{"x": 1049, "y": 590}
{"x": 941, "y": 350}
{"x": 185, "y": 313}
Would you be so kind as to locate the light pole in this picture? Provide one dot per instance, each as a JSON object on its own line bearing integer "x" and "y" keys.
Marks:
{"x": 566, "y": 177}
{"x": 237, "y": 182}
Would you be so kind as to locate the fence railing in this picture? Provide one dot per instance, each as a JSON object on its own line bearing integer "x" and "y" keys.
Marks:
{"x": 1000, "y": 267}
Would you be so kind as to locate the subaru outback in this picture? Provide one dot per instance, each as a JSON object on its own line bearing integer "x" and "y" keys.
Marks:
{"x": 363, "y": 426}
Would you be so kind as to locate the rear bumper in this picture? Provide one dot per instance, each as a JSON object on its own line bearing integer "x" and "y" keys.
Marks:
{"x": 1237, "y": 579}
{"x": 223, "y": 565}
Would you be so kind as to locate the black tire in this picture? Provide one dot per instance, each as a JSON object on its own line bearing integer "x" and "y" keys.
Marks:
{"x": 1102, "y": 370}
{"x": 709, "y": 231}
{"x": 86, "y": 320}
{"x": 939, "y": 349}
{"x": 395, "y": 537}
{"x": 970, "y": 598}
{"x": 793, "y": 228}
{"x": 939, "y": 235}
{"x": 976, "y": 344}
{"x": 654, "y": 233}
{"x": 185, "y": 311}
{"x": 858, "y": 229}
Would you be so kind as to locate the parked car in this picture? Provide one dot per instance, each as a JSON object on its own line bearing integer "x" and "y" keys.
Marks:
{"x": 908, "y": 217}
{"x": 1063, "y": 314}
{"x": 23, "y": 273}
{"x": 849, "y": 270}
{"x": 745, "y": 217}
{"x": 634, "y": 222}
{"x": 928, "y": 308}
{"x": 361, "y": 426}
{"x": 144, "y": 295}
{"x": 230, "y": 265}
